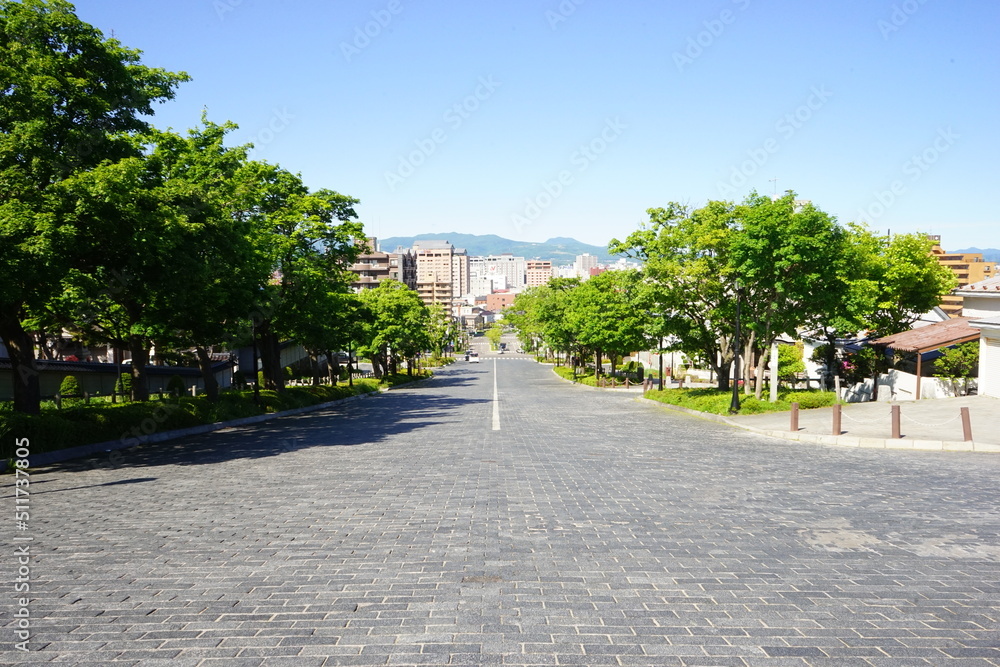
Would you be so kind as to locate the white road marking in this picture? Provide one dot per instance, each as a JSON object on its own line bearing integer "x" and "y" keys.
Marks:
{"x": 496, "y": 399}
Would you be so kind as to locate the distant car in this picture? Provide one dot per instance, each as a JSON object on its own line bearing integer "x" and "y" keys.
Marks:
{"x": 474, "y": 358}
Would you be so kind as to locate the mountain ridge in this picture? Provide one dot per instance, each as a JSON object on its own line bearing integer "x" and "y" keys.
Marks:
{"x": 989, "y": 254}
{"x": 560, "y": 249}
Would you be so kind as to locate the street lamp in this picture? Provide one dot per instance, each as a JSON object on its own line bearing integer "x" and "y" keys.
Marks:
{"x": 734, "y": 405}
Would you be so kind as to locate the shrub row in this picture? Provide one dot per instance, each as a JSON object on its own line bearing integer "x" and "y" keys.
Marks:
{"x": 717, "y": 402}
{"x": 101, "y": 422}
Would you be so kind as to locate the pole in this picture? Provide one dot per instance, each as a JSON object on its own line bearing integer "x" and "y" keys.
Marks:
{"x": 794, "y": 425}
{"x": 836, "y": 419}
{"x": 895, "y": 422}
{"x": 966, "y": 425}
{"x": 774, "y": 372}
{"x": 734, "y": 405}
{"x": 253, "y": 339}
{"x": 661, "y": 365}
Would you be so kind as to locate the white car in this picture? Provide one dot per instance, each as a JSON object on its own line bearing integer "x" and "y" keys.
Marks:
{"x": 474, "y": 358}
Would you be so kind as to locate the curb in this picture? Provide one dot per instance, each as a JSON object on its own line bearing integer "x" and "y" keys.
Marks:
{"x": 60, "y": 455}
{"x": 630, "y": 390}
{"x": 841, "y": 440}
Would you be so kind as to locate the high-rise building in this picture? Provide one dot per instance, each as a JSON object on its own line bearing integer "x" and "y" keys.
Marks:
{"x": 583, "y": 264}
{"x": 538, "y": 272}
{"x": 512, "y": 268}
{"x": 442, "y": 273}
{"x": 374, "y": 266}
{"x": 968, "y": 268}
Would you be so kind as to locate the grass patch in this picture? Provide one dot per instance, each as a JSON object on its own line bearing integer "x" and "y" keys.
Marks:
{"x": 566, "y": 372}
{"x": 717, "y": 402}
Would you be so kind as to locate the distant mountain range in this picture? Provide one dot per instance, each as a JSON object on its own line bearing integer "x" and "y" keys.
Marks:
{"x": 989, "y": 254}
{"x": 560, "y": 250}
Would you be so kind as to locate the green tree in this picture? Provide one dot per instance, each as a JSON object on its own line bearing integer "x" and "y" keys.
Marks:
{"x": 69, "y": 101}
{"x": 686, "y": 253}
{"x": 787, "y": 258}
{"x": 958, "y": 364}
{"x": 494, "y": 334}
{"x": 442, "y": 330}
{"x": 606, "y": 314}
{"x": 398, "y": 328}
{"x": 310, "y": 242}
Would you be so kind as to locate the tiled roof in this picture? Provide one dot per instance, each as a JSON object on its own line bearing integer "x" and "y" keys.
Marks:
{"x": 931, "y": 337}
{"x": 989, "y": 286}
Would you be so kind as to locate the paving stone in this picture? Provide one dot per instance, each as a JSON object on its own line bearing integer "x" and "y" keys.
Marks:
{"x": 591, "y": 529}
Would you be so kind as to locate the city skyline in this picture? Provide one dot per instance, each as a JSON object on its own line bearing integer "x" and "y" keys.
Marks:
{"x": 570, "y": 119}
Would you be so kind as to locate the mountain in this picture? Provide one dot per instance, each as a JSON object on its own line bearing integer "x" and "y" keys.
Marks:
{"x": 989, "y": 254}
{"x": 560, "y": 250}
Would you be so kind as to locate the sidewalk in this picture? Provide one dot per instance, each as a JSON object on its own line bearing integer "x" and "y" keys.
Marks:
{"x": 925, "y": 424}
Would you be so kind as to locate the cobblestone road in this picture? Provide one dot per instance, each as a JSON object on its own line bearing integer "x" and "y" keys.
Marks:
{"x": 590, "y": 529}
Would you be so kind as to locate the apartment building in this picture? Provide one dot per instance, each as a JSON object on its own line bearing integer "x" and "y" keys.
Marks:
{"x": 442, "y": 273}
{"x": 512, "y": 268}
{"x": 968, "y": 268}
{"x": 538, "y": 272}
{"x": 374, "y": 266}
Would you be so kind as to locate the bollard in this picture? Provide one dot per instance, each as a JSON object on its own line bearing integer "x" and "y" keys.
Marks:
{"x": 966, "y": 425}
{"x": 836, "y": 419}
{"x": 626, "y": 383}
{"x": 895, "y": 423}
{"x": 58, "y": 399}
{"x": 794, "y": 427}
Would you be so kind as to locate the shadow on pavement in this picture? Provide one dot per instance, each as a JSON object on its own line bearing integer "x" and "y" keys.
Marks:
{"x": 342, "y": 425}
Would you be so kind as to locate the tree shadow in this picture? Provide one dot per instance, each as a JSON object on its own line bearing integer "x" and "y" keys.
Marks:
{"x": 344, "y": 425}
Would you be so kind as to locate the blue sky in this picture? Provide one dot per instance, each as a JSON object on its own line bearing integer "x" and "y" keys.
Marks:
{"x": 533, "y": 120}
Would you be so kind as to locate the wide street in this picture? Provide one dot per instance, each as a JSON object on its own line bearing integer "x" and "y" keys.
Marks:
{"x": 496, "y": 515}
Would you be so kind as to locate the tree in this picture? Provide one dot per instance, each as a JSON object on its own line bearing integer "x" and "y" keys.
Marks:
{"x": 310, "y": 242}
{"x": 958, "y": 363}
{"x": 398, "y": 329}
{"x": 787, "y": 258}
{"x": 888, "y": 282}
{"x": 69, "y": 100}
{"x": 686, "y": 253}
{"x": 606, "y": 314}
{"x": 494, "y": 334}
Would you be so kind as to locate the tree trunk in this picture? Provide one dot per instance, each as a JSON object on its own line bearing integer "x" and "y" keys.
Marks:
{"x": 722, "y": 374}
{"x": 747, "y": 360}
{"x": 139, "y": 347}
{"x": 24, "y": 371}
{"x": 764, "y": 358}
{"x": 270, "y": 355}
{"x": 207, "y": 376}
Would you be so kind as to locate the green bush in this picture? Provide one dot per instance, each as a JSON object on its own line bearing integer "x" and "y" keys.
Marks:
{"x": 124, "y": 385}
{"x": 718, "y": 402}
{"x": 176, "y": 386}
{"x": 100, "y": 422}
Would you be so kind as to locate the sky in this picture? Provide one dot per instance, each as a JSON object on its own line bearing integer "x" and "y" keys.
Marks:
{"x": 571, "y": 118}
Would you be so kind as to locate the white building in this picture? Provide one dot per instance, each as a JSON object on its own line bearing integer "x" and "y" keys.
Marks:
{"x": 513, "y": 269}
{"x": 981, "y": 301}
{"x": 583, "y": 264}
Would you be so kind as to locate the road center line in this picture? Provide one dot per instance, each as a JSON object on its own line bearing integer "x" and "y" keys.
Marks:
{"x": 496, "y": 399}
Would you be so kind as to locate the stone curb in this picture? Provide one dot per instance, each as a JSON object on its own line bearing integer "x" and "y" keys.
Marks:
{"x": 630, "y": 390}
{"x": 60, "y": 455}
{"x": 840, "y": 440}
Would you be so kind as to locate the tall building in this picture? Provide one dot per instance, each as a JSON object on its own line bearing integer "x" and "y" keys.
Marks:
{"x": 583, "y": 264}
{"x": 442, "y": 273}
{"x": 538, "y": 272}
{"x": 374, "y": 266}
{"x": 968, "y": 268}
{"x": 512, "y": 268}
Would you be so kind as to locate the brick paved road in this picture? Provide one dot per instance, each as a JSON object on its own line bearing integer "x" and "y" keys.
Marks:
{"x": 590, "y": 530}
